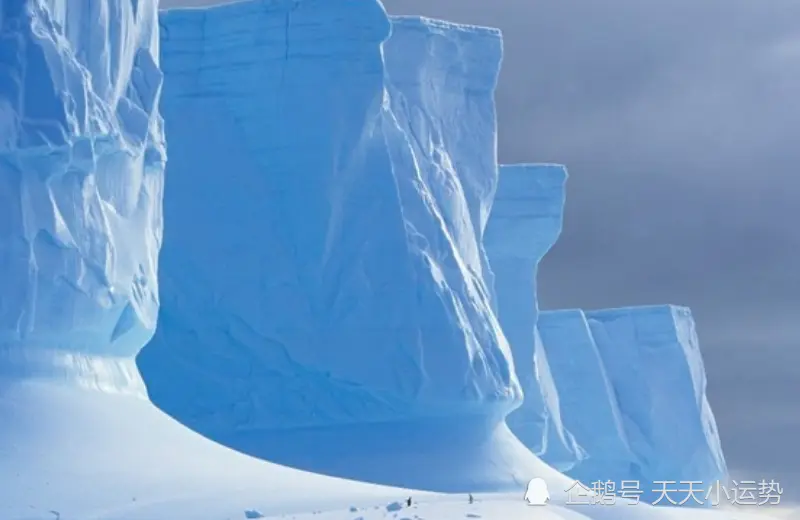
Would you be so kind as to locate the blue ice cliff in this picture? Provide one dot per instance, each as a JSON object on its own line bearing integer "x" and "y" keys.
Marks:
{"x": 81, "y": 181}
{"x": 642, "y": 370}
{"x": 326, "y": 299}
{"x": 525, "y": 222}
{"x": 81, "y": 174}
{"x": 613, "y": 395}
{"x": 359, "y": 175}
{"x": 323, "y": 286}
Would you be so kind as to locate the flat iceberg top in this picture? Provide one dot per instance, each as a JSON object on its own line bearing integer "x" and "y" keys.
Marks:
{"x": 651, "y": 323}
{"x": 252, "y": 13}
{"x": 432, "y": 25}
{"x": 665, "y": 310}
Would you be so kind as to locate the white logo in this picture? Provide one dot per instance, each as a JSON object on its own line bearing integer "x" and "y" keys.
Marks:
{"x": 537, "y": 494}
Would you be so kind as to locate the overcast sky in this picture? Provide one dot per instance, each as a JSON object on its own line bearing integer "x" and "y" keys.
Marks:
{"x": 678, "y": 122}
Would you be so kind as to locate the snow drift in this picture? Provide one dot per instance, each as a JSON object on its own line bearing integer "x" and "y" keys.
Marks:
{"x": 324, "y": 300}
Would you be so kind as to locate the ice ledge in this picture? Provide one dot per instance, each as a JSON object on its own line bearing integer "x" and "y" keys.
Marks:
{"x": 106, "y": 374}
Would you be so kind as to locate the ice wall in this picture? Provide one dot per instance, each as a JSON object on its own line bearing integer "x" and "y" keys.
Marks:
{"x": 440, "y": 78}
{"x": 81, "y": 172}
{"x": 653, "y": 361}
{"x": 322, "y": 267}
{"x": 632, "y": 388}
{"x": 588, "y": 400}
{"x": 613, "y": 395}
{"x": 525, "y": 223}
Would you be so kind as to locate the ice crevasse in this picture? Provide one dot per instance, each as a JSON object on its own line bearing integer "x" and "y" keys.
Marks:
{"x": 610, "y": 395}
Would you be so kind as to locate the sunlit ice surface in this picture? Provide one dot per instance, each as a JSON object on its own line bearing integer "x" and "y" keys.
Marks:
{"x": 317, "y": 267}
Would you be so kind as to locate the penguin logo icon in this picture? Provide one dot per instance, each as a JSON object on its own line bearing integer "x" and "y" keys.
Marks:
{"x": 537, "y": 494}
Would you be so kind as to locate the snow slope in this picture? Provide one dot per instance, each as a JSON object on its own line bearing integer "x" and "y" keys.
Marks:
{"x": 525, "y": 222}
{"x": 509, "y": 507}
{"x": 358, "y": 327}
{"x": 93, "y": 455}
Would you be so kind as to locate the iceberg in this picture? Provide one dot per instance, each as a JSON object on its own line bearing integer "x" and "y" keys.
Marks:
{"x": 323, "y": 297}
{"x": 81, "y": 189}
{"x": 653, "y": 361}
{"x": 324, "y": 303}
{"x": 636, "y": 390}
{"x": 588, "y": 400}
{"x": 80, "y": 184}
{"x": 525, "y": 222}
{"x": 611, "y": 395}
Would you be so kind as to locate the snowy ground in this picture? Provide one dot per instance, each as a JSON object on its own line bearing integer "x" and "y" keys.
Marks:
{"x": 73, "y": 454}
{"x": 510, "y": 507}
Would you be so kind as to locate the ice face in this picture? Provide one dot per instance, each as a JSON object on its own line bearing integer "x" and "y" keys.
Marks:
{"x": 653, "y": 361}
{"x": 441, "y": 127}
{"x": 609, "y": 395}
{"x": 322, "y": 270}
{"x": 324, "y": 265}
{"x": 525, "y": 222}
{"x": 311, "y": 275}
{"x": 81, "y": 172}
{"x": 631, "y": 384}
{"x": 441, "y": 79}
{"x": 587, "y": 398}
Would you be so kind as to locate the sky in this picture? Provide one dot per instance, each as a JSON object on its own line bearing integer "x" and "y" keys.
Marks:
{"x": 678, "y": 123}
